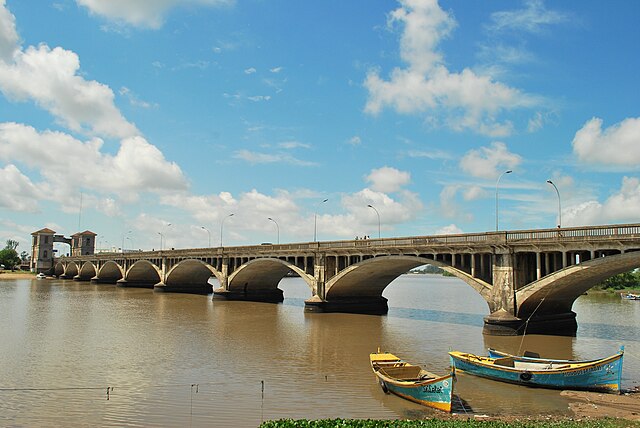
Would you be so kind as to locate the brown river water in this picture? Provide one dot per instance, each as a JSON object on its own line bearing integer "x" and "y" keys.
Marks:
{"x": 79, "y": 354}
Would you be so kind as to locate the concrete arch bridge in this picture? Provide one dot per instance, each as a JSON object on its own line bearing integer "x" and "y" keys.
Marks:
{"x": 527, "y": 277}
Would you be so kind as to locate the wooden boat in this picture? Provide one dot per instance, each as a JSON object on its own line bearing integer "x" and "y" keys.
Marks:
{"x": 412, "y": 382}
{"x": 594, "y": 375}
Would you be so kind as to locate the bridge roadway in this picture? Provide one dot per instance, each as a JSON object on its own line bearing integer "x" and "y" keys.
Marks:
{"x": 529, "y": 278}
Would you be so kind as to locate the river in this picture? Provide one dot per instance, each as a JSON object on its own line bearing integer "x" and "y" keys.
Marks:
{"x": 80, "y": 354}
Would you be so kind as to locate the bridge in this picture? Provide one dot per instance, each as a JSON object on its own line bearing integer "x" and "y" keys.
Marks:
{"x": 529, "y": 278}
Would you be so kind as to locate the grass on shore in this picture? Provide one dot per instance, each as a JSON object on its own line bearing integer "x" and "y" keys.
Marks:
{"x": 444, "y": 423}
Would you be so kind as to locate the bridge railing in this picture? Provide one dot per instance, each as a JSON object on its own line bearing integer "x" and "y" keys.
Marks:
{"x": 571, "y": 234}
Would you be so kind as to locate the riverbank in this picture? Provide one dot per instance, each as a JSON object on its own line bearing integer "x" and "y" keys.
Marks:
{"x": 18, "y": 274}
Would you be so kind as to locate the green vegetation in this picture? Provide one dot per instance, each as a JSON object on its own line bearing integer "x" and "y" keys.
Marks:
{"x": 623, "y": 281}
{"x": 441, "y": 423}
{"x": 9, "y": 256}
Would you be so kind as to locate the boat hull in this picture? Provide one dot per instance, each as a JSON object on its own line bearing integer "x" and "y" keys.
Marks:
{"x": 435, "y": 392}
{"x": 595, "y": 375}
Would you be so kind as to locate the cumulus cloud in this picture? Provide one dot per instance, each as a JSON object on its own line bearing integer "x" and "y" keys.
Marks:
{"x": 142, "y": 13}
{"x": 50, "y": 78}
{"x": 387, "y": 179}
{"x": 8, "y": 34}
{"x": 451, "y": 229}
{"x": 18, "y": 192}
{"x": 621, "y": 207}
{"x": 617, "y": 145}
{"x": 467, "y": 100}
{"x": 489, "y": 162}
{"x": 64, "y": 161}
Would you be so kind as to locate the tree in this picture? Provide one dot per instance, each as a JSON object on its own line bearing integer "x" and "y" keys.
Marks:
{"x": 621, "y": 281}
{"x": 9, "y": 258}
{"x": 11, "y": 244}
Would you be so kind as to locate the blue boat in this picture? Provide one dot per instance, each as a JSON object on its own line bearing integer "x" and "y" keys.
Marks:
{"x": 594, "y": 375}
{"x": 412, "y": 382}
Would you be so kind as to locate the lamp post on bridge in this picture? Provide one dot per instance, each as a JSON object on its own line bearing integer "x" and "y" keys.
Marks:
{"x": 498, "y": 181}
{"x": 123, "y": 236}
{"x": 315, "y": 222}
{"x": 221, "y": 226}
{"x": 374, "y": 208}
{"x": 559, "y": 206}
{"x": 277, "y": 229}
{"x": 161, "y": 236}
{"x": 208, "y": 233}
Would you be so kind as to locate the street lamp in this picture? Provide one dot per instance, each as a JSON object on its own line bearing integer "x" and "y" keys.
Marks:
{"x": 498, "y": 181}
{"x": 208, "y": 233}
{"x": 374, "y": 208}
{"x": 559, "y": 206}
{"x": 221, "y": 225}
{"x": 277, "y": 229}
{"x": 161, "y": 236}
{"x": 123, "y": 235}
{"x": 315, "y": 221}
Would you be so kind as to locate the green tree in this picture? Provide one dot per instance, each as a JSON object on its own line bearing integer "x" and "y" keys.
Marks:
{"x": 11, "y": 244}
{"x": 9, "y": 258}
{"x": 621, "y": 281}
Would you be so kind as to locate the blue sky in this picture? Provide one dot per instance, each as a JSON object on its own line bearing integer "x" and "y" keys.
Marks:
{"x": 132, "y": 118}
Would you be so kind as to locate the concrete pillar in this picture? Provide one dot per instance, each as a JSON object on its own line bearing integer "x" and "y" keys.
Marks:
{"x": 564, "y": 259}
{"x": 538, "y": 267}
{"x": 473, "y": 265}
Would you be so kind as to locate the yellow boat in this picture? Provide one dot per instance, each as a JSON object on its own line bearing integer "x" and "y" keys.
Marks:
{"x": 412, "y": 382}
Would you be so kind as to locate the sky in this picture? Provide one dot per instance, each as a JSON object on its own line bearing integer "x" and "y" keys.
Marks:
{"x": 191, "y": 123}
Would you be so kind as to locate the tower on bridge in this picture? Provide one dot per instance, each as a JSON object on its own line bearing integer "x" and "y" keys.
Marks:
{"x": 42, "y": 252}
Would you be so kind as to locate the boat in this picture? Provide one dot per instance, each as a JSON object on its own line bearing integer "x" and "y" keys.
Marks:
{"x": 412, "y": 382}
{"x": 630, "y": 296}
{"x": 593, "y": 375}
{"x": 41, "y": 276}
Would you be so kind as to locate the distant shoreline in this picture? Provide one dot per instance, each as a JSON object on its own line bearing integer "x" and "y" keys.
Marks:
{"x": 7, "y": 274}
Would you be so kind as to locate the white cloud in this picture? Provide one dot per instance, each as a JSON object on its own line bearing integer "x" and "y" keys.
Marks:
{"x": 531, "y": 19}
{"x": 617, "y": 145}
{"x": 64, "y": 161}
{"x": 142, "y": 13}
{"x": 250, "y": 70}
{"x": 50, "y": 78}
{"x": 354, "y": 141}
{"x": 259, "y": 158}
{"x": 467, "y": 100}
{"x": 451, "y": 229}
{"x": 18, "y": 192}
{"x": 621, "y": 207}
{"x": 8, "y": 35}
{"x": 387, "y": 179}
{"x": 472, "y": 193}
{"x": 294, "y": 145}
{"x": 489, "y": 162}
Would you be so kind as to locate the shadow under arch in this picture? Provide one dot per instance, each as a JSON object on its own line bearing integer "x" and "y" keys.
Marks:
{"x": 258, "y": 279}
{"x": 58, "y": 269}
{"x": 189, "y": 276}
{"x": 555, "y": 293}
{"x": 109, "y": 273}
{"x": 70, "y": 270}
{"x": 358, "y": 288}
{"x": 142, "y": 274}
{"x": 86, "y": 272}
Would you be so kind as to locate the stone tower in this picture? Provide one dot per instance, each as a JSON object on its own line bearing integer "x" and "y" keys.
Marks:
{"x": 42, "y": 250}
{"x": 83, "y": 243}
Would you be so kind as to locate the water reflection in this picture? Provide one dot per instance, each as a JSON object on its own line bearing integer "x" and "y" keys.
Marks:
{"x": 180, "y": 359}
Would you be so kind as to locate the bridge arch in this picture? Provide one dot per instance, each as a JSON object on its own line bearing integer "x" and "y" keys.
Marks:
{"x": 86, "y": 272}
{"x": 555, "y": 293}
{"x": 189, "y": 276}
{"x": 70, "y": 270}
{"x": 110, "y": 272}
{"x": 370, "y": 277}
{"x": 142, "y": 273}
{"x": 58, "y": 269}
{"x": 264, "y": 274}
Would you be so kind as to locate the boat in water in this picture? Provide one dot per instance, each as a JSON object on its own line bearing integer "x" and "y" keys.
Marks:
{"x": 412, "y": 382}
{"x": 594, "y": 375}
{"x": 630, "y": 296}
{"x": 41, "y": 276}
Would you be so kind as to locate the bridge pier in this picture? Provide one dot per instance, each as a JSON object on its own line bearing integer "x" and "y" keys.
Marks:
{"x": 502, "y": 323}
{"x": 265, "y": 295}
{"x": 183, "y": 288}
{"x": 356, "y": 305}
{"x": 134, "y": 284}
